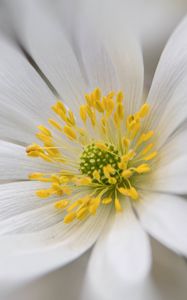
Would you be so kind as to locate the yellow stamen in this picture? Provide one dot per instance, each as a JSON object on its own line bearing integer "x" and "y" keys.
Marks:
{"x": 107, "y": 200}
{"x": 69, "y": 132}
{"x": 70, "y": 217}
{"x": 96, "y": 175}
{"x": 150, "y": 156}
{"x": 127, "y": 173}
{"x": 144, "y": 168}
{"x": 61, "y": 204}
{"x": 99, "y": 159}
{"x": 117, "y": 204}
{"x": 144, "y": 110}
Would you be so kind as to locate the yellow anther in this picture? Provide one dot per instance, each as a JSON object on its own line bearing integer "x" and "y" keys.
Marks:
{"x": 117, "y": 204}
{"x": 71, "y": 119}
{"x": 144, "y": 168}
{"x": 83, "y": 113}
{"x": 144, "y": 110}
{"x": 130, "y": 155}
{"x": 66, "y": 190}
{"x": 44, "y": 138}
{"x": 116, "y": 119}
{"x": 96, "y": 175}
{"x": 73, "y": 206}
{"x": 89, "y": 100}
{"x": 69, "y": 132}
{"x": 102, "y": 146}
{"x": 55, "y": 124}
{"x": 56, "y": 188}
{"x": 125, "y": 142}
{"x": 122, "y": 165}
{"x": 145, "y": 137}
{"x": 97, "y": 94}
{"x": 107, "y": 200}
{"x": 61, "y": 106}
{"x": 61, "y": 204}
{"x": 55, "y": 178}
{"x": 150, "y": 156}
{"x": 83, "y": 181}
{"x": 82, "y": 213}
{"x": 108, "y": 170}
{"x": 33, "y": 148}
{"x": 95, "y": 202}
{"x": 112, "y": 180}
{"x": 64, "y": 179}
{"x": 133, "y": 193}
{"x": 43, "y": 193}
{"x": 120, "y": 111}
{"x": 119, "y": 97}
{"x": 70, "y": 217}
{"x": 109, "y": 105}
{"x": 44, "y": 130}
{"x": 127, "y": 173}
{"x": 99, "y": 106}
{"x": 135, "y": 130}
{"x": 124, "y": 191}
{"x": 91, "y": 114}
{"x": 147, "y": 149}
{"x": 111, "y": 94}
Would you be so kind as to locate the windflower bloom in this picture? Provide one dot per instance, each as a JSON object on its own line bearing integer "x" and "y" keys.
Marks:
{"x": 104, "y": 166}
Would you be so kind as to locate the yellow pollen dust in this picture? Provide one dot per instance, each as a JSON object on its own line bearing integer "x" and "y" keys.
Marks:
{"x": 95, "y": 164}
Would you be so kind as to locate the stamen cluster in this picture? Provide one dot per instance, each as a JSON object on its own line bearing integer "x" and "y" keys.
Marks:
{"x": 95, "y": 168}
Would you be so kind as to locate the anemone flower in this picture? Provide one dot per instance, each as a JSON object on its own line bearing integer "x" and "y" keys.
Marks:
{"x": 85, "y": 159}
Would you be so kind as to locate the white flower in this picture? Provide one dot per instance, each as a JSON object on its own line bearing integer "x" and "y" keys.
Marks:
{"x": 142, "y": 172}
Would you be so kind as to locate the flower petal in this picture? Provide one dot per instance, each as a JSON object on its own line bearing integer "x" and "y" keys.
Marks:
{"x": 112, "y": 60}
{"x": 25, "y": 99}
{"x": 45, "y": 40}
{"x": 174, "y": 148}
{"x": 121, "y": 257}
{"x": 167, "y": 280}
{"x": 168, "y": 92}
{"x": 164, "y": 217}
{"x": 170, "y": 178}
{"x": 15, "y": 165}
{"x": 51, "y": 285}
{"x": 169, "y": 273}
{"x": 24, "y": 256}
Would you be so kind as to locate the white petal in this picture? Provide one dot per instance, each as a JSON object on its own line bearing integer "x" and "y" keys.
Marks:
{"x": 169, "y": 172}
{"x": 45, "y": 40}
{"x": 170, "y": 178}
{"x": 27, "y": 255}
{"x": 174, "y": 148}
{"x": 168, "y": 92}
{"x": 66, "y": 281}
{"x": 19, "y": 197}
{"x": 112, "y": 60}
{"x": 16, "y": 165}
{"x": 98, "y": 66}
{"x": 167, "y": 280}
{"x": 126, "y": 55}
{"x": 169, "y": 273}
{"x": 121, "y": 257}
{"x": 164, "y": 217}
{"x": 25, "y": 99}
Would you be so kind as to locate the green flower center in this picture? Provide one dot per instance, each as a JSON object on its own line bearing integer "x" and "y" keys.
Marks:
{"x": 94, "y": 158}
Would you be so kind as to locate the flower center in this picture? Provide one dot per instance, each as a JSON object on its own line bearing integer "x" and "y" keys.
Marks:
{"x": 97, "y": 163}
{"x": 94, "y": 161}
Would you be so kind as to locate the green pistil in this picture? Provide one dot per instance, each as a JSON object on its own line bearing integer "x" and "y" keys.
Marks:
{"x": 93, "y": 158}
